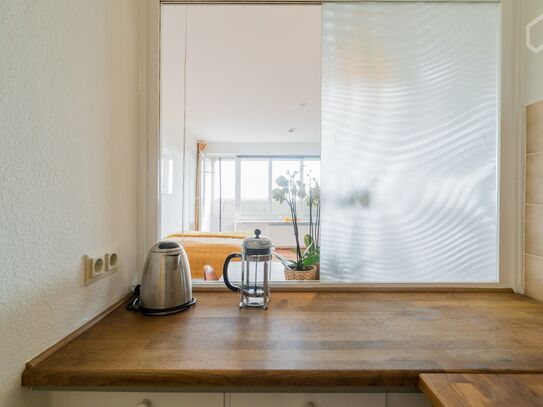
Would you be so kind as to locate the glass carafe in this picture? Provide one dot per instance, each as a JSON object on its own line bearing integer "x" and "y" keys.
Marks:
{"x": 255, "y": 258}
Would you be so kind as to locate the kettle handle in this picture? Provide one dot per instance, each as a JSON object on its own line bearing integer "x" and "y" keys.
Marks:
{"x": 225, "y": 271}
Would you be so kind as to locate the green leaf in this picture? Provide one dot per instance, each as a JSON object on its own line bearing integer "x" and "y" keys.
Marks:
{"x": 286, "y": 262}
{"x": 308, "y": 240}
{"x": 311, "y": 260}
{"x": 309, "y": 250}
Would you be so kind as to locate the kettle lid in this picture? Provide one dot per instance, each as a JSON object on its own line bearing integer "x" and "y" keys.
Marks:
{"x": 166, "y": 246}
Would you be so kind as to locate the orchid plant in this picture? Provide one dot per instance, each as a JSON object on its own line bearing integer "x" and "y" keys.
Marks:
{"x": 294, "y": 191}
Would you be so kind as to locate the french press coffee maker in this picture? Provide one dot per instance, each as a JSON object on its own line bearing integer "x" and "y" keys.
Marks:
{"x": 255, "y": 258}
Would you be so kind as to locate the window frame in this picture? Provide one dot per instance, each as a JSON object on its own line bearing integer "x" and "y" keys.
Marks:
{"x": 270, "y": 159}
{"x": 511, "y": 161}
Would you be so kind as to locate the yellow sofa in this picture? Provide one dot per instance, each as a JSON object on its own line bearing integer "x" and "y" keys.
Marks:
{"x": 205, "y": 248}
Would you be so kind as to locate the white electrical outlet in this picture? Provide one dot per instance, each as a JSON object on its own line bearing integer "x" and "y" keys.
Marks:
{"x": 112, "y": 260}
{"x": 98, "y": 266}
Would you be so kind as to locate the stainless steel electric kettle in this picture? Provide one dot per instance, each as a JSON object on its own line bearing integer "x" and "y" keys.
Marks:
{"x": 166, "y": 285}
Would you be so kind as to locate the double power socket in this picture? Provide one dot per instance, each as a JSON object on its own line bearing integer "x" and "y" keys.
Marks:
{"x": 100, "y": 265}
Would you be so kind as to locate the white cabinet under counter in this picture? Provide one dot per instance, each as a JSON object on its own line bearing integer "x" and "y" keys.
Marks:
{"x": 160, "y": 399}
{"x": 125, "y": 399}
{"x": 307, "y": 400}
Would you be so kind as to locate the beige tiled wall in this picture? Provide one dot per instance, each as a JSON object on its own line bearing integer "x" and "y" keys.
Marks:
{"x": 533, "y": 230}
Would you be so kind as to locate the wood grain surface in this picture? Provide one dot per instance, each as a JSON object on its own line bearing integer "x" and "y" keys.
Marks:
{"x": 304, "y": 339}
{"x": 497, "y": 390}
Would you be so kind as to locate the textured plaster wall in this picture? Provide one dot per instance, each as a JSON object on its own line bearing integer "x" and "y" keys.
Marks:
{"x": 68, "y": 165}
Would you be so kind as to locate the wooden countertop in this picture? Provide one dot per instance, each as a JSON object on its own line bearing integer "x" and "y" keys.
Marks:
{"x": 304, "y": 339}
{"x": 496, "y": 390}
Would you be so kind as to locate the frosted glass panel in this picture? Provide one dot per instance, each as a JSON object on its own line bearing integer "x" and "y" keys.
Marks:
{"x": 409, "y": 142}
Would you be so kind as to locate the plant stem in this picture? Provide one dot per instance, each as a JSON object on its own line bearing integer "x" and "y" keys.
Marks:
{"x": 295, "y": 224}
{"x": 318, "y": 226}
{"x": 311, "y": 232}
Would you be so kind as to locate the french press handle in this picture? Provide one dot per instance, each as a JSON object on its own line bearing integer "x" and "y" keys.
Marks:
{"x": 225, "y": 272}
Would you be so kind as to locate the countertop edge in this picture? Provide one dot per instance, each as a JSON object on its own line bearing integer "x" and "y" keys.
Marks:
{"x": 36, "y": 377}
{"x": 232, "y": 378}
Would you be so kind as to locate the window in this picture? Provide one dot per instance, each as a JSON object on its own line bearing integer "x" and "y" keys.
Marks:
{"x": 254, "y": 189}
{"x": 224, "y": 203}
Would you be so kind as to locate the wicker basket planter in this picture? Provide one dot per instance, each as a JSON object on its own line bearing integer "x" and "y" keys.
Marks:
{"x": 311, "y": 273}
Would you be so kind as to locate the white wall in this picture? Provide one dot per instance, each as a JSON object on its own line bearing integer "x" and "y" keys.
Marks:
{"x": 510, "y": 204}
{"x": 172, "y": 119}
{"x": 177, "y": 206}
{"x": 68, "y": 168}
{"x": 533, "y": 63}
{"x": 189, "y": 198}
{"x": 254, "y": 72}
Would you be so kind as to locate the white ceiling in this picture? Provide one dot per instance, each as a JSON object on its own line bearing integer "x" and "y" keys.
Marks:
{"x": 253, "y": 73}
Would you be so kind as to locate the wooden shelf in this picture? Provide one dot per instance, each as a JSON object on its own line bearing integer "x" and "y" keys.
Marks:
{"x": 323, "y": 339}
